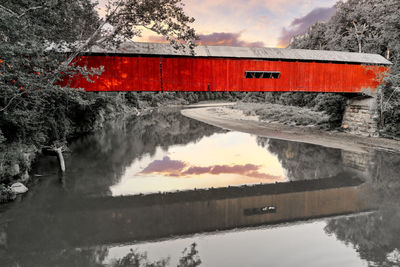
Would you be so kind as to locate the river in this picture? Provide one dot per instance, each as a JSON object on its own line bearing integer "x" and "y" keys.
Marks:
{"x": 167, "y": 190}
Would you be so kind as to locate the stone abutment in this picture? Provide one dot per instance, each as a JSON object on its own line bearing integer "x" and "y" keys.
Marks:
{"x": 361, "y": 116}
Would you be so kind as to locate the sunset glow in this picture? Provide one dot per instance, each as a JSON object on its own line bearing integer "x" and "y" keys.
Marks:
{"x": 249, "y": 23}
{"x": 218, "y": 161}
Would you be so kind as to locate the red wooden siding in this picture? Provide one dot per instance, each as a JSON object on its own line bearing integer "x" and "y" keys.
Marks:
{"x": 223, "y": 74}
{"x": 120, "y": 74}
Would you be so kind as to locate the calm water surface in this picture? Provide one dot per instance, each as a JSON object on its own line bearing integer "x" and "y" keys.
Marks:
{"x": 164, "y": 189}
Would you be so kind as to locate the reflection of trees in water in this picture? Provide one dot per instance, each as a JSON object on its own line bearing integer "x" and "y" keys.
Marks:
{"x": 95, "y": 257}
{"x": 304, "y": 161}
{"x": 376, "y": 236}
{"x": 87, "y": 257}
{"x": 99, "y": 160}
{"x": 138, "y": 259}
{"x": 190, "y": 258}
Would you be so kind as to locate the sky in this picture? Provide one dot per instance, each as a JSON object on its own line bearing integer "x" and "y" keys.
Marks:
{"x": 260, "y": 23}
{"x": 236, "y": 159}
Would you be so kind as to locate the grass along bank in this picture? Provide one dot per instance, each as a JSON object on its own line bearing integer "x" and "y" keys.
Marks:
{"x": 290, "y": 115}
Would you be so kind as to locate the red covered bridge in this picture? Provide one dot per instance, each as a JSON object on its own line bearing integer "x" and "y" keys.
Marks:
{"x": 159, "y": 67}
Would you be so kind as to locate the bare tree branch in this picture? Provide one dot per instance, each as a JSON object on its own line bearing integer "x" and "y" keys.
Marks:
{"x": 20, "y": 15}
{"x": 29, "y": 9}
{"x": 11, "y": 100}
{"x": 358, "y": 37}
{"x": 8, "y": 10}
{"x": 83, "y": 46}
{"x": 387, "y": 102}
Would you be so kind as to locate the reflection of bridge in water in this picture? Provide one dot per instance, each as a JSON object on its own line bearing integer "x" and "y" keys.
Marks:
{"x": 138, "y": 218}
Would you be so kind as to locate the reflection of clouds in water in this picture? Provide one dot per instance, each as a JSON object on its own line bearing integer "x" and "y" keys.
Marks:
{"x": 177, "y": 168}
{"x": 217, "y": 160}
{"x": 164, "y": 165}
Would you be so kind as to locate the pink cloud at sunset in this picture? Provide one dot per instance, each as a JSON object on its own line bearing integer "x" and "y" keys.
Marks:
{"x": 166, "y": 165}
{"x": 270, "y": 23}
{"x": 176, "y": 168}
{"x": 301, "y": 25}
{"x": 216, "y": 38}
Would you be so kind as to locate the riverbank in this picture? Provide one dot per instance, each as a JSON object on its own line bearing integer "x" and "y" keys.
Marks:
{"x": 263, "y": 119}
{"x": 286, "y": 114}
{"x": 236, "y": 119}
{"x": 16, "y": 158}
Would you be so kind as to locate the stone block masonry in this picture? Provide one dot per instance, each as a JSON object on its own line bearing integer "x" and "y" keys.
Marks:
{"x": 359, "y": 164}
{"x": 361, "y": 116}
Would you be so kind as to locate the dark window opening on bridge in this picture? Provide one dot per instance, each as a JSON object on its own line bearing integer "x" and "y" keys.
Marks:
{"x": 262, "y": 74}
{"x": 258, "y": 211}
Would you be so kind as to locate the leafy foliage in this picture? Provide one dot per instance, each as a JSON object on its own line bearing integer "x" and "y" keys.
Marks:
{"x": 375, "y": 235}
{"x": 33, "y": 108}
{"x": 330, "y": 103}
{"x": 39, "y": 40}
{"x": 190, "y": 258}
{"x": 165, "y": 17}
{"x": 285, "y": 114}
{"x": 304, "y": 161}
{"x": 6, "y": 194}
{"x": 370, "y": 26}
{"x": 137, "y": 259}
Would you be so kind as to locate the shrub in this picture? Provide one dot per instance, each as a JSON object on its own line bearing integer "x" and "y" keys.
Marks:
{"x": 6, "y": 194}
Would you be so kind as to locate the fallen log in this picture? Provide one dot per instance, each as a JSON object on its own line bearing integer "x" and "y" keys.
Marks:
{"x": 52, "y": 151}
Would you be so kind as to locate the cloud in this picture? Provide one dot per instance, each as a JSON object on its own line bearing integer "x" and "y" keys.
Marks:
{"x": 221, "y": 169}
{"x": 238, "y": 169}
{"x": 197, "y": 170}
{"x": 301, "y": 25}
{"x": 226, "y": 38}
{"x": 155, "y": 39}
{"x": 176, "y": 168}
{"x": 216, "y": 38}
{"x": 165, "y": 165}
{"x": 262, "y": 20}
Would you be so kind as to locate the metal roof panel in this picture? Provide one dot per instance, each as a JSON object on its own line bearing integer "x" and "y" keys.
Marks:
{"x": 140, "y": 48}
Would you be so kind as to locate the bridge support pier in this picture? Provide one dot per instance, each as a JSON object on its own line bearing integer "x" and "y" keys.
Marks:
{"x": 361, "y": 116}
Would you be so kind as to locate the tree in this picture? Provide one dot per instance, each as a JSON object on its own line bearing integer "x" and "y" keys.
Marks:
{"x": 313, "y": 39}
{"x": 375, "y": 236}
{"x": 190, "y": 258}
{"x": 39, "y": 40}
{"x": 369, "y": 26}
{"x": 29, "y": 31}
{"x": 358, "y": 25}
{"x": 165, "y": 17}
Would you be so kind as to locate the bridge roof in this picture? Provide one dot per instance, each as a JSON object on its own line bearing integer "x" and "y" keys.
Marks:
{"x": 162, "y": 49}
